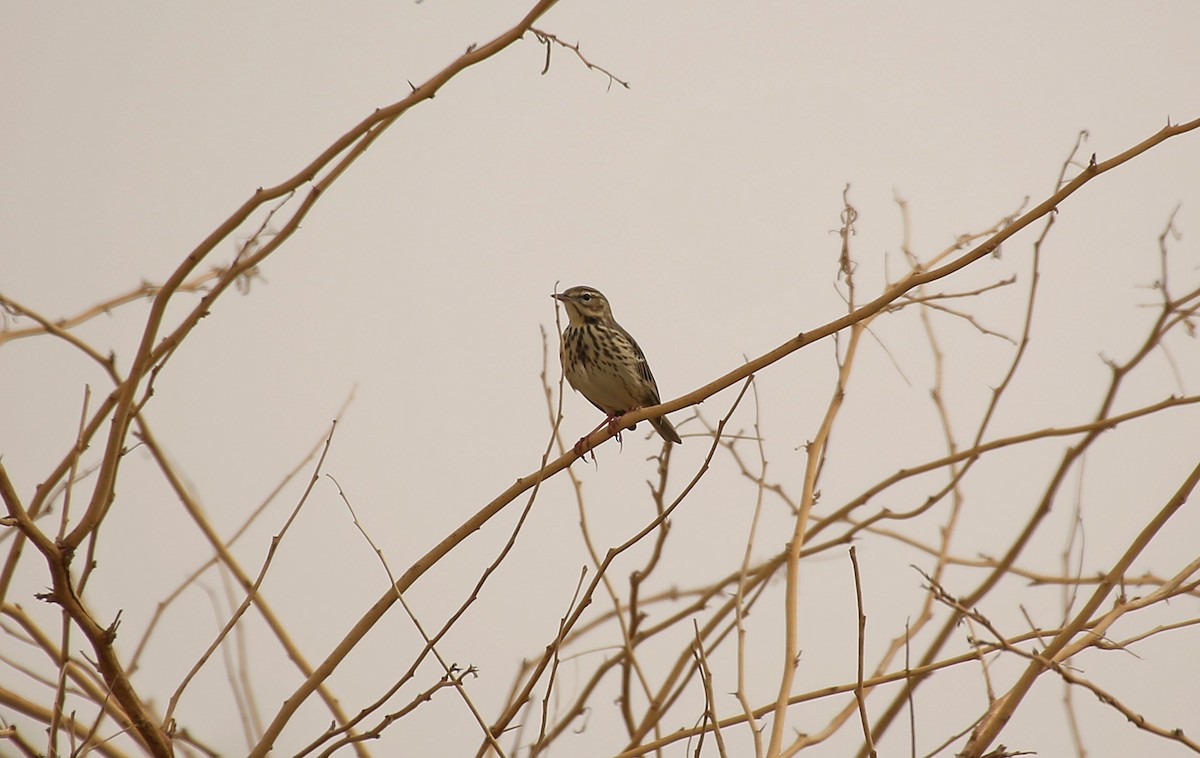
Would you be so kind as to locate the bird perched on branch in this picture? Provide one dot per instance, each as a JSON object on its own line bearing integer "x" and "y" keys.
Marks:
{"x": 603, "y": 362}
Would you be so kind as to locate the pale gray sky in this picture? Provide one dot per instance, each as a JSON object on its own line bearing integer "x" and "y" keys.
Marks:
{"x": 701, "y": 200}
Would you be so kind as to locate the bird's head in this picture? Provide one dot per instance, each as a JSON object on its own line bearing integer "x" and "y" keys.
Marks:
{"x": 584, "y": 305}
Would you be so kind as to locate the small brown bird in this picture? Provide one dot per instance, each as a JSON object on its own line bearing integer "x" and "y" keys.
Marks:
{"x": 603, "y": 362}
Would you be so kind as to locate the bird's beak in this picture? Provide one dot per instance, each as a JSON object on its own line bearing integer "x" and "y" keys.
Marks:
{"x": 559, "y": 296}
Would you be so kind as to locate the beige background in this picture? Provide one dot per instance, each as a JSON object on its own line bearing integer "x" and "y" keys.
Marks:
{"x": 700, "y": 200}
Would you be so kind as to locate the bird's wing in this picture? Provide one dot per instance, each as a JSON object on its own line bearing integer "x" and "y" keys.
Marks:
{"x": 643, "y": 367}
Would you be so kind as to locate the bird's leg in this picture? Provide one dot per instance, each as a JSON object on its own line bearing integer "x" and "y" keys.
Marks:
{"x": 614, "y": 428}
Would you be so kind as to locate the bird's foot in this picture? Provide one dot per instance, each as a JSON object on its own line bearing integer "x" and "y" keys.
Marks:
{"x": 582, "y": 448}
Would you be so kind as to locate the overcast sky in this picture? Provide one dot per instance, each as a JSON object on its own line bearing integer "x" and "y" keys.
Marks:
{"x": 700, "y": 199}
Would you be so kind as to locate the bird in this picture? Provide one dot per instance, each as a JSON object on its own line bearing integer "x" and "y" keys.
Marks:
{"x": 603, "y": 362}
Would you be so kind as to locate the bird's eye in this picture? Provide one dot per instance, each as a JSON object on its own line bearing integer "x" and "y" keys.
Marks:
{"x": 586, "y": 297}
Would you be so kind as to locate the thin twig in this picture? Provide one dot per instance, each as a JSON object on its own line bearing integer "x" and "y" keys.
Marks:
{"x": 710, "y": 705}
{"x": 451, "y": 670}
{"x": 262, "y": 573}
{"x": 859, "y": 695}
{"x": 547, "y": 38}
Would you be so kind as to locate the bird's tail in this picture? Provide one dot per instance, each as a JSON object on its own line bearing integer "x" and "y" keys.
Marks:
{"x": 665, "y": 430}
